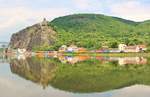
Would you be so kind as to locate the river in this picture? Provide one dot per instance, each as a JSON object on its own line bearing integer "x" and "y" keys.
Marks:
{"x": 75, "y": 76}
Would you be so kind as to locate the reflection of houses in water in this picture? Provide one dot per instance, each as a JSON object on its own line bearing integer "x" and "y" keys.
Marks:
{"x": 3, "y": 59}
{"x": 132, "y": 60}
{"x": 73, "y": 59}
{"x": 120, "y": 60}
{"x": 124, "y": 60}
{"x": 42, "y": 54}
{"x": 21, "y": 57}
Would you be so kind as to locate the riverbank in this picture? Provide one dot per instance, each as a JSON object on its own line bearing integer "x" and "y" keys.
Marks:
{"x": 56, "y": 53}
{"x": 111, "y": 54}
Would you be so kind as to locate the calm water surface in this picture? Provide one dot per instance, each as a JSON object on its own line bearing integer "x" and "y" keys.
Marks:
{"x": 78, "y": 76}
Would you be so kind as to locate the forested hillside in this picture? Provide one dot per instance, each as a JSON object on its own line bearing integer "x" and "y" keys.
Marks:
{"x": 94, "y": 31}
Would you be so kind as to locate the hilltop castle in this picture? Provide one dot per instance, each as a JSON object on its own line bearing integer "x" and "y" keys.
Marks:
{"x": 44, "y": 22}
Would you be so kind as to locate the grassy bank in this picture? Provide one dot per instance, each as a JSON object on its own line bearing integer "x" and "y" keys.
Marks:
{"x": 111, "y": 54}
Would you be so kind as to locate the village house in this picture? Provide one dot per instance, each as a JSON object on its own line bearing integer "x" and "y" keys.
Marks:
{"x": 63, "y": 48}
{"x": 142, "y": 47}
{"x": 72, "y": 48}
{"x": 132, "y": 49}
{"x": 136, "y": 48}
{"x": 122, "y": 47}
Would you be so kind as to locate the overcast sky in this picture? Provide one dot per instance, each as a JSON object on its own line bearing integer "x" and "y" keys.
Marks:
{"x": 18, "y": 14}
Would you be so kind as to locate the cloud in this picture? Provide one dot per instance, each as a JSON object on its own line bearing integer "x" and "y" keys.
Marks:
{"x": 21, "y": 14}
{"x": 19, "y": 17}
{"x": 132, "y": 10}
{"x": 137, "y": 10}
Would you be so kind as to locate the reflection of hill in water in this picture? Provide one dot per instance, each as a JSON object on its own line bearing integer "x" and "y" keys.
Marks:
{"x": 34, "y": 69}
{"x": 88, "y": 76}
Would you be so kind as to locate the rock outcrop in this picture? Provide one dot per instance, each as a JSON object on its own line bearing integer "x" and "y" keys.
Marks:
{"x": 34, "y": 36}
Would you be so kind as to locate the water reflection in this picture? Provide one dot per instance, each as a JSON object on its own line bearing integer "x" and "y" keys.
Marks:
{"x": 35, "y": 69}
{"x": 3, "y": 59}
{"x": 125, "y": 60}
{"x": 120, "y": 60}
{"x": 89, "y": 74}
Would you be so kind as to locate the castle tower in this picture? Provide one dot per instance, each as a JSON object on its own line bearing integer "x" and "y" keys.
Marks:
{"x": 44, "y": 22}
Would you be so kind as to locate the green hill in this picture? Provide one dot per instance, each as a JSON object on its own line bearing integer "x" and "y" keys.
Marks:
{"x": 91, "y": 31}
{"x": 94, "y": 30}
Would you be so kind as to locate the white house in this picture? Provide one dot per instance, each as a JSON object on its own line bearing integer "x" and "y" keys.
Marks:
{"x": 122, "y": 47}
{"x": 135, "y": 48}
{"x": 63, "y": 48}
{"x": 72, "y": 48}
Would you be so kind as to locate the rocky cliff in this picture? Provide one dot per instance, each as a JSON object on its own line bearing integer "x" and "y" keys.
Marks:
{"x": 34, "y": 36}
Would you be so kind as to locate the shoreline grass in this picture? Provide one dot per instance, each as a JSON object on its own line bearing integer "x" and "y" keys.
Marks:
{"x": 110, "y": 54}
